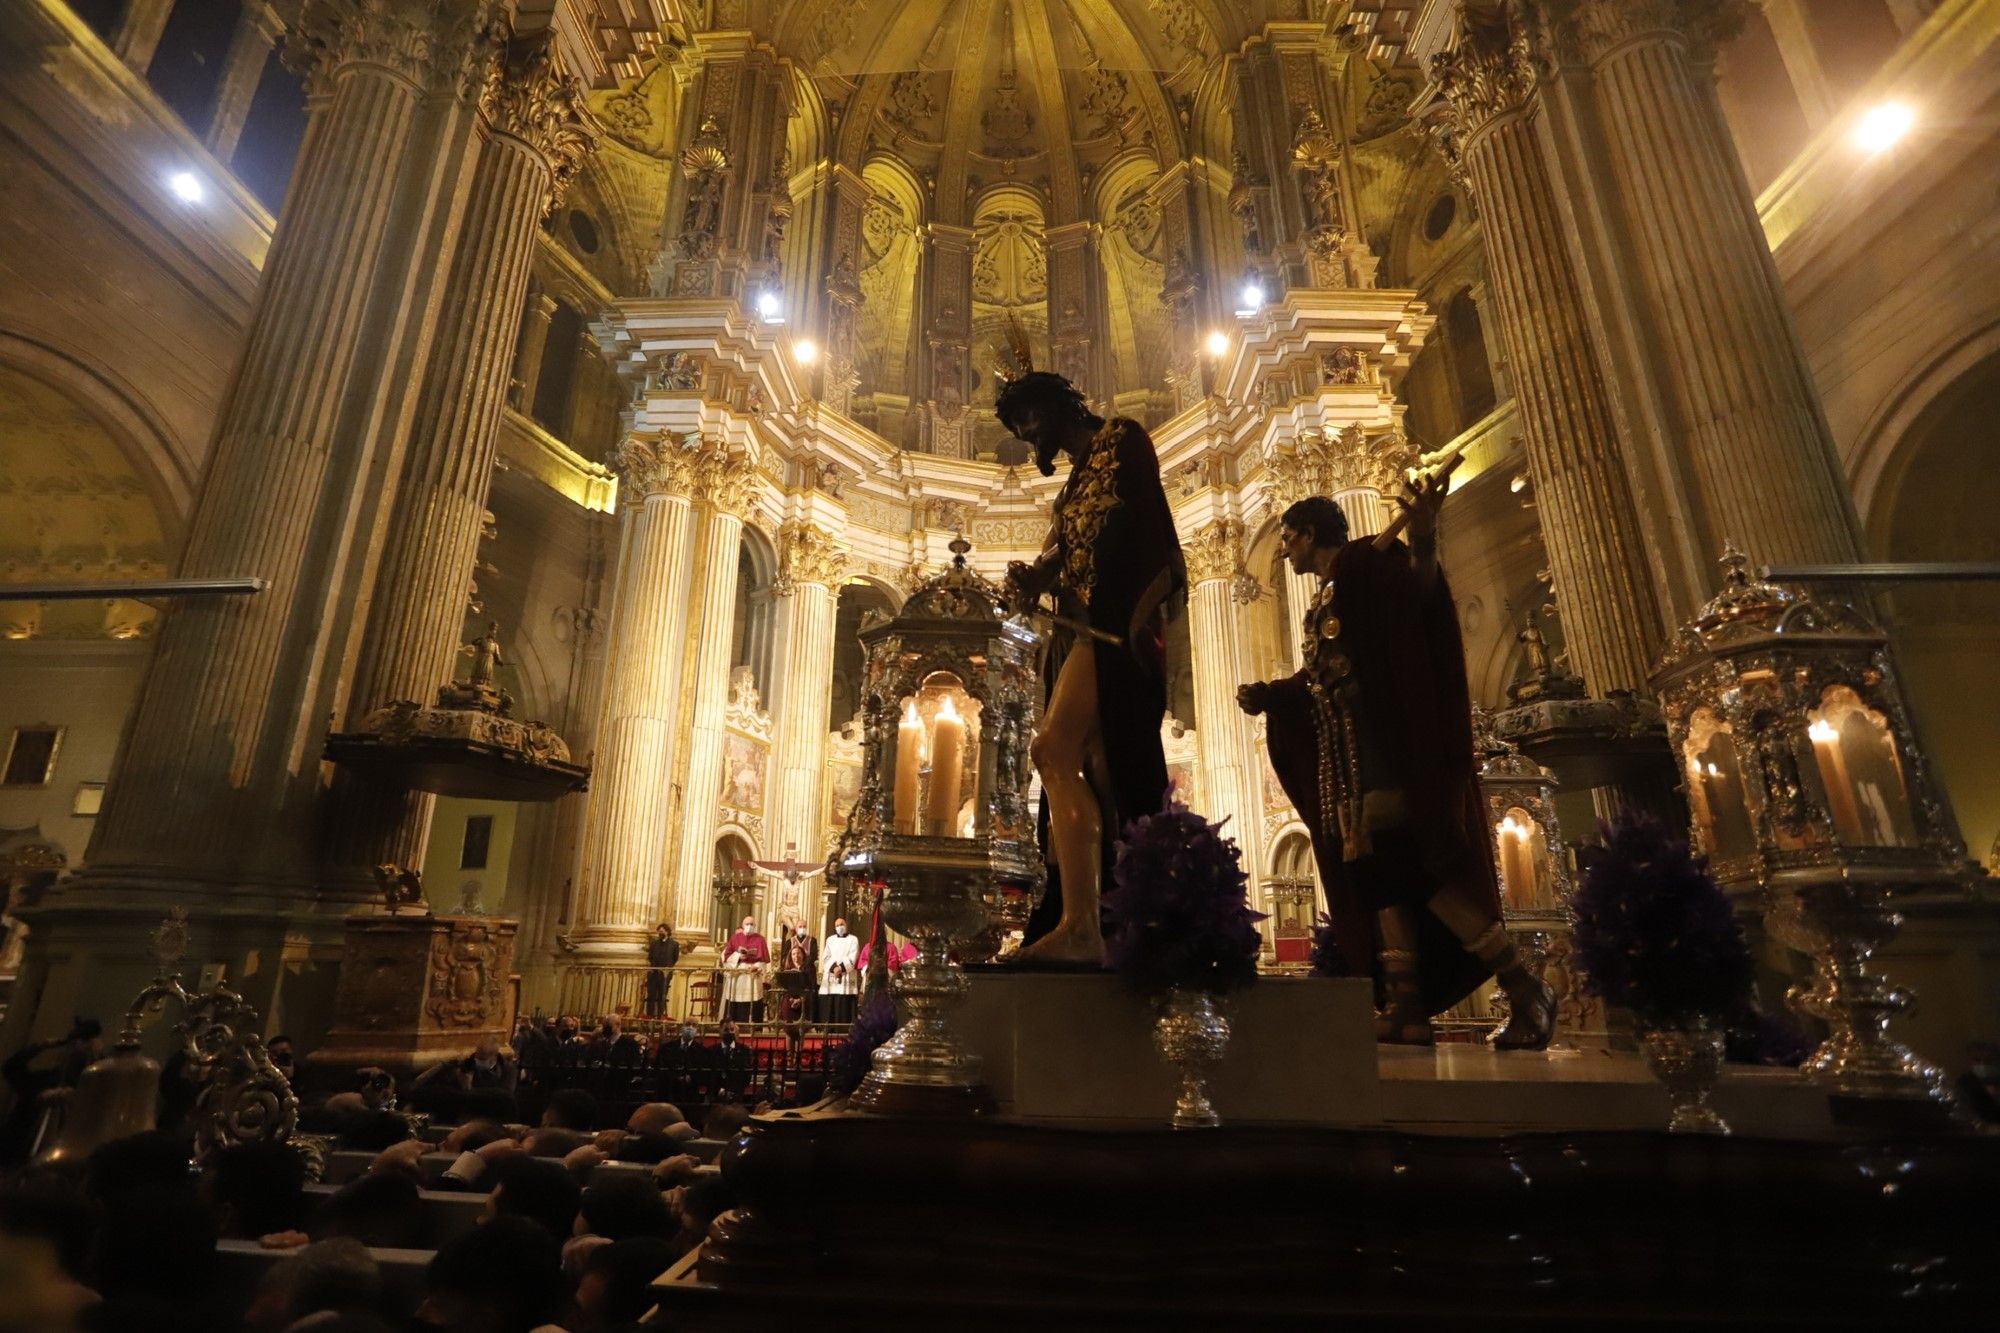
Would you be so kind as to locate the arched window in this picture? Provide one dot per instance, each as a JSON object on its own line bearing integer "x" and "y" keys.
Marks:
{"x": 1472, "y": 375}
{"x": 756, "y": 611}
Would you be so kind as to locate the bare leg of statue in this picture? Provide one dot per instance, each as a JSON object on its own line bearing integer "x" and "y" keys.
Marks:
{"x": 1060, "y": 750}
{"x": 1531, "y": 1004}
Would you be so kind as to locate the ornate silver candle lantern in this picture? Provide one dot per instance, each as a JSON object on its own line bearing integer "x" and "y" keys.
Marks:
{"x": 943, "y": 822}
{"x": 1813, "y": 802}
{"x": 1520, "y": 800}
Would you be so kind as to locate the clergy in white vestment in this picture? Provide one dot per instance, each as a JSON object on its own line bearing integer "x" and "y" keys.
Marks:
{"x": 840, "y": 975}
{"x": 743, "y": 961}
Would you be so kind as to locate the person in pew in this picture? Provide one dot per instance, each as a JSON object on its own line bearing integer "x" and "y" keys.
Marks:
{"x": 504, "y": 1277}
{"x": 46, "y": 1228}
{"x": 616, "y": 1289}
{"x": 571, "y": 1108}
{"x": 255, "y": 1189}
{"x": 684, "y": 1064}
{"x": 696, "y": 1206}
{"x": 154, "y": 1264}
{"x": 328, "y": 1277}
{"x": 539, "y": 1191}
{"x": 680, "y": 1169}
{"x": 381, "y": 1210}
{"x": 732, "y": 1062}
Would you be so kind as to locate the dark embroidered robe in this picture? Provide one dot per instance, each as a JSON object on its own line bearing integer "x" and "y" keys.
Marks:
{"x": 1119, "y": 569}
{"x": 1375, "y": 734}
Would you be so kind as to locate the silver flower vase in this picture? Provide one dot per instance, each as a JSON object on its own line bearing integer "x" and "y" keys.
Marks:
{"x": 1687, "y": 1061}
{"x": 1192, "y": 1034}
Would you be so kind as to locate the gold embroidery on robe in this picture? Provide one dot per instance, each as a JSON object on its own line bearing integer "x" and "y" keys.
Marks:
{"x": 1085, "y": 508}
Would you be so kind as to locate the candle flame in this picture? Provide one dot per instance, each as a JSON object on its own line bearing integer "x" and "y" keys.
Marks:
{"x": 1513, "y": 827}
{"x": 1823, "y": 731}
{"x": 910, "y": 713}
{"x": 948, "y": 709}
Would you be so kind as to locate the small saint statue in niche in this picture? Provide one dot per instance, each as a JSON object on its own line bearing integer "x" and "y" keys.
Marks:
{"x": 485, "y": 653}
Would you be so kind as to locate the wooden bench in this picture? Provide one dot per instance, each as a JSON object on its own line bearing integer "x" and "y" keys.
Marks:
{"x": 242, "y": 1264}
{"x": 446, "y": 1214}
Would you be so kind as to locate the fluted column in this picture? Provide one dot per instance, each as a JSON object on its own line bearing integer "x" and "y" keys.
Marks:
{"x": 1214, "y": 554}
{"x": 534, "y": 139}
{"x": 1741, "y": 409}
{"x": 541, "y": 311}
{"x": 1300, "y": 589}
{"x": 618, "y": 887}
{"x": 1612, "y": 614}
{"x": 257, "y": 27}
{"x": 218, "y": 776}
{"x": 809, "y": 570}
{"x": 724, "y": 483}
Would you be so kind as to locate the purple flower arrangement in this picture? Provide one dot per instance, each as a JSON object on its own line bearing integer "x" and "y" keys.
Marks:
{"x": 1655, "y": 933}
{"x": 1178, "y": 916}
{"x": 1327, "y": 960}
{"x": 873, "y": 1024}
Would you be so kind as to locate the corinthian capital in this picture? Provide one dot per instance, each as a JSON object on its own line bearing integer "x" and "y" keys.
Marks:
{"x": 654, "y": 463}
{"x": 433, "y": 44}
{"x": 1490, "y": 72}
{"x": 724, "y": 479}
{"x": 1215, "y": 551}
{"x": 1586, "y": 31}
{"x": 533, "y": 99}
{"x": 807, "y": 554}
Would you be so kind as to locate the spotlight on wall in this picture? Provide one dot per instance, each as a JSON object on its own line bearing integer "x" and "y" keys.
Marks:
{"x": 187, "y": 187}
{"x": 805, "y": 351}
{"x": 1217, "y": 342}
{"x": 770, "y": 307}
{"x": 1519, "y": 483}
{"x": 1883, "y": 126}
{"x": 1252, "y": 297}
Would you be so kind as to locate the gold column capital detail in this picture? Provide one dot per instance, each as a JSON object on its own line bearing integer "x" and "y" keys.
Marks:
{"x": 807, "y": 554}
{"x": 1214, "y": 551}
{"x": 528, "y": 96}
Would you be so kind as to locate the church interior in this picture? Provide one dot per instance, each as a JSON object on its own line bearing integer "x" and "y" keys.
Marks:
{"x": 489, "y": 455}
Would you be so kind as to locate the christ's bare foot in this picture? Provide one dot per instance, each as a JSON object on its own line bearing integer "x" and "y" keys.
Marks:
{"x": 1066, "y": 944}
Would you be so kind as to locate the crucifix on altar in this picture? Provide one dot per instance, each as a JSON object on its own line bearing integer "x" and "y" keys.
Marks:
{"x": 790, "y": 873}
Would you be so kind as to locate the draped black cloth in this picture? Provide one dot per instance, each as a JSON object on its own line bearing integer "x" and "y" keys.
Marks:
{"x": 1119, "y": 569}
{"x": 1388, "y": 651}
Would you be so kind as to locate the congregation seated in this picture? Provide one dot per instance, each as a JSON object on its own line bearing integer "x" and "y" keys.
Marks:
{"x": 486, "y": 1221}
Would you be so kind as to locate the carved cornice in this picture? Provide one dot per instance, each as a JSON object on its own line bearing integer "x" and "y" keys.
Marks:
{"x": 531, "y": 98}
{"x": 434, "y": 47}
{"x": 1490, "y": 72}
{"x": 1214, "y": 551}
{"x": 807, "y": 554}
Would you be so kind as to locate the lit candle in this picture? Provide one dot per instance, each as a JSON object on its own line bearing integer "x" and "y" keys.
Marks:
{"x": 1833, "y": 776}
{"x": 1517, "y": 871}
{"x": 947, "y": 759}
{"x": 909, "y": 760}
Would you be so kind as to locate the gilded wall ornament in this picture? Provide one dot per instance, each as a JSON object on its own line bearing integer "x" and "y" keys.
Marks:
{"x": 807, "y": 554}
{"x": 1214, "y": 551}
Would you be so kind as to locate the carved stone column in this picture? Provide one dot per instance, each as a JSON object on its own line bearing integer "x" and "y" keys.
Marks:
{"x": 948, "y": 339}
{"x": 1214, "y": 554}
{"x": 1074, "y": 302}
{"x": 1732, "y": 419}
{"x": 1614, "y": 620}
{"x": 723, "y": 484}
{"x": 218, "y": 778}
{"x": 809, "y": 571}
{"x": 528, "y": 360}
{"x": 534, "y": 138}
{"x": 257, "y": 27}
{"x": 139, "y": 32}
{"x": 618, "y": 889}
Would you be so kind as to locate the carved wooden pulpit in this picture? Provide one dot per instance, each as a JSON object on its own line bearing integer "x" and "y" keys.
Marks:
{"x": 418, "y": 989}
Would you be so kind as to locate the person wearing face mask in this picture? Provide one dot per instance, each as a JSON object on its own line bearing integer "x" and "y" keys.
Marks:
{"x": 1113, "y": 566}
{"x": 840, "y": 975}
{"x": 743, "y": 962}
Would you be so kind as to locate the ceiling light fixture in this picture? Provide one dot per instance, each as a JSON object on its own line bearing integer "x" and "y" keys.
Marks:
{"x": 187, "y": 187}
{"x": 805, "y": 351}
{"x": 1218, "y": 342}
{"x": 1883, "y": 126}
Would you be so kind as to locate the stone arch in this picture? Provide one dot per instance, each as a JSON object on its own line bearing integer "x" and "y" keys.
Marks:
{"x": 1934, "y": 499}
{"x": 891, "y": 277}
{"x": 855, "y": 599}
{"x": 1133, "y": 261}
{"x": 169, "y": 465}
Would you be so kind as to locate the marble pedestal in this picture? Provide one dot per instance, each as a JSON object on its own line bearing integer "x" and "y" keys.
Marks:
{"x": 1078, "y": 1049}
{"x": 417, "y": 989}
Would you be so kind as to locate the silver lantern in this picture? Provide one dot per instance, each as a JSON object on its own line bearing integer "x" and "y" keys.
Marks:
{"x": 1813, "y": 802}
{"x": 943, "y": 825}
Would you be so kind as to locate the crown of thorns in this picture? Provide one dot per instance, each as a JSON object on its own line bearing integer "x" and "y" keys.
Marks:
{"x": 1020, "y": 383}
